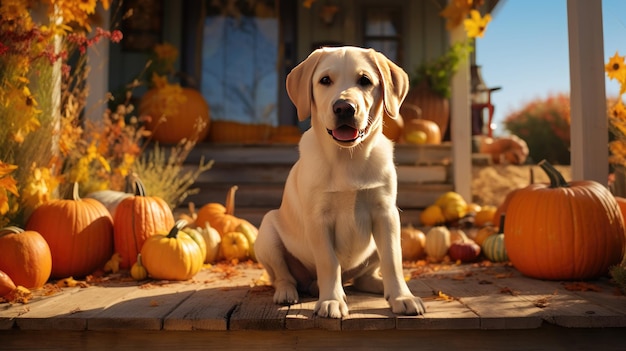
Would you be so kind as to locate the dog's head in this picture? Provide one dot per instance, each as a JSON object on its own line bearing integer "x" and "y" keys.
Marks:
{"x": 346, "y": 90}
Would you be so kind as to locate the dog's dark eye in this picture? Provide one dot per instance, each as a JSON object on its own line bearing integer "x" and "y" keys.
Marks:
{"x": 364, "y": 81}
{"x": 325, "y": 80}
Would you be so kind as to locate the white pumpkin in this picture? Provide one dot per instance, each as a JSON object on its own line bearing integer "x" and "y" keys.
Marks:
{"x": 109, "y": 198}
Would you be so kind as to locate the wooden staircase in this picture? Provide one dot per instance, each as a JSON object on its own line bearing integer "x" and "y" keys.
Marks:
{"x": 260, "y": 171}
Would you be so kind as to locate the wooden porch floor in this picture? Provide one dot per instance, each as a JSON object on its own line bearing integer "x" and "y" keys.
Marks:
{"x": 470, "y": 306}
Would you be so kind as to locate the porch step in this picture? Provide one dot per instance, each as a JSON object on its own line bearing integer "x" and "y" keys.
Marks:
{"x": 260, "y": 172}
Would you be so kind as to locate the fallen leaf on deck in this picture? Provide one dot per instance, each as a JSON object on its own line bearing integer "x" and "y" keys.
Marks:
{"x": 444, "y": 297}
{"x": 70, "y": 282}
{"x": 113, "y": 265}
{"x": 19, "y": 295}
{"x": 503, "y": 275}
{"x": 507, "y": 290}
{"x": 542, "y": 302}
{"x": 581, "y": 286}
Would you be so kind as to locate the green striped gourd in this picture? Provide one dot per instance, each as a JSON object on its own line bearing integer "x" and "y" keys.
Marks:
{"x": 494, "y": 249}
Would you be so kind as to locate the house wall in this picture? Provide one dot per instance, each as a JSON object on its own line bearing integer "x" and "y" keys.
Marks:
{"x": 125, "y": 65}
{"x": 425, "y": 36}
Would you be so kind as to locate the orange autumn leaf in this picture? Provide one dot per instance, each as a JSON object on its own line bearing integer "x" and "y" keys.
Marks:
{"x": 455, "y": 12}
{"x": 19, "y": 295}
{"x": 444, "y": 297}
{"x": 581, "y": 286}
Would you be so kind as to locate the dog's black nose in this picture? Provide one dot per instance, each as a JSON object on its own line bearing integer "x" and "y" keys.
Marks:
{"x": 343, "y": 109}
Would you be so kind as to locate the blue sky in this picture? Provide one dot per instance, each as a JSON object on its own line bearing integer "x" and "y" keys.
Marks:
{"x": 525, "y": 50}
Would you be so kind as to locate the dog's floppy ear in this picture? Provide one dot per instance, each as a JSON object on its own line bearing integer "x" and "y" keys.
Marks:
{"x": 395, "y": 83}
{"x": 299, "y": 84}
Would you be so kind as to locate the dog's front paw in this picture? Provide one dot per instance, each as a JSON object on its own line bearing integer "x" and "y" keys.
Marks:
{"x": 408, "y": 305}
{"x": 285, "y": 294}
{"x": 331, "y": 308}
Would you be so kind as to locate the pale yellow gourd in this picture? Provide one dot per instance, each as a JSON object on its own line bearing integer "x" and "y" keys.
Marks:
{"x": 437, "y": 243}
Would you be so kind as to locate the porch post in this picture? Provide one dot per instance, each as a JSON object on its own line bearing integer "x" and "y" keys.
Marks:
{"x": 98, "y": 78}
{"x": 589, "y": 123}
{"x": 460, "y": 123}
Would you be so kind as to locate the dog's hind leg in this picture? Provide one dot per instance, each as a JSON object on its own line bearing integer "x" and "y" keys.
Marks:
{"x": 270, "y": 252}
{"x": 369, "y": 279}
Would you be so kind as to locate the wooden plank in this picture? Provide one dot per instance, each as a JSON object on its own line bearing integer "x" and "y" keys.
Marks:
{"x": 440, "y": 314}
{"x": 300, "y": 315}
{"x": 423, "y": 174}
{"x": 10, "y": 312}
{"x": 368, "y": 312}
{"x": 562, "y": 307}
{"x": 420, "y": 195}
{"x": 143, "y": 308}
{"x": 73, "y": 309}
{"x": 496, "y": 310}
{"x": 206, "y": 309}
{"x": 243, "y": 173}
{"x": 423, "y": 154}
{"x": 258, "y": 311}
{"x": 248, "y": 195}
{"x": 210, "y": 307}
{"x": 277, "y": 154}
{"x": 270, "y": 173}
{"x": 605, "y": 339}
{"x": 288, "y": 154}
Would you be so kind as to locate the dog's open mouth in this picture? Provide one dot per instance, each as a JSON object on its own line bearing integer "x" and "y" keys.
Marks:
{"x": 346, "y": 133}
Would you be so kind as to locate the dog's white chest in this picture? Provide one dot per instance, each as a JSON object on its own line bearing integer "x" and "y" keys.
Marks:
{"x": 347, "y": 215}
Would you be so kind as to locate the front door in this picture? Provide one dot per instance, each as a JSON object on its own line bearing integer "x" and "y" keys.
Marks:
{"x": 243, "y": 54}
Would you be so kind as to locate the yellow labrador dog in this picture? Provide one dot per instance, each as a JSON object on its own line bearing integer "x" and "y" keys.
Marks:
{"x": 338, "y": 221}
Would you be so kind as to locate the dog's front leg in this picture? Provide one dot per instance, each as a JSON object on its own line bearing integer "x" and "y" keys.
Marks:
{"x": 332, "y": 301}
{"x": 386, "y": 233}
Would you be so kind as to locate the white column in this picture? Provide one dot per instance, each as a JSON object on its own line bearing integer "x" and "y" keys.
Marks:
{"x": 460, "y": 123}
{"x": 589, "y": 124}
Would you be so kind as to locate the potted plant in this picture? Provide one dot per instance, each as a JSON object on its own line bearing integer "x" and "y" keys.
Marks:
{"x": 430, "y": 85}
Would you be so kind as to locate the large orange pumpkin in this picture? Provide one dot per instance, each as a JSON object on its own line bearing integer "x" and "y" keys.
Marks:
{"x": 78, "y": 231}
{"x": 136, "y": 219}
{"x": 621, "y": 202}
{"x": 564, "y": 230}
{"x": 172, "y": 121}
{"x": 25, "y": 257}
{"x": 501, "y": 209}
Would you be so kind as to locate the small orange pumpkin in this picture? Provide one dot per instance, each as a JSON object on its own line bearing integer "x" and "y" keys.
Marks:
{"x": 136, "y": 219}
{"x": 78, "y": 231}
{"x": 25, "y": 257}
{"x": 188, "y": 120}
{"x": 393, "y": 128}
{"x": 430, "y": 128}
{"x": 6, "y": 284}
{"x": 221, "y": 217}
{"x": 172, "y": 256}
{"x": 412, "y": 242}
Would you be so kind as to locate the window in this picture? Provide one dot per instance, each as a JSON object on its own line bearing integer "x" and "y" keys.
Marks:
{"x": 240, "y": 44}
{"x": 383, "y": 31}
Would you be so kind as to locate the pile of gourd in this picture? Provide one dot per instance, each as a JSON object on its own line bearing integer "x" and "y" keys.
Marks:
{"x": 558, "y": 230}
{"x": 110, "y": 230}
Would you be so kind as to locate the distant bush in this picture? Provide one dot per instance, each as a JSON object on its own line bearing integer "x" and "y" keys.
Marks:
{"x": 545, "y": 126}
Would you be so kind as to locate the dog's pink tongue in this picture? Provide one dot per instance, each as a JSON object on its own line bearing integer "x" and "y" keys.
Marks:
{"x": 345, "y": 133}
